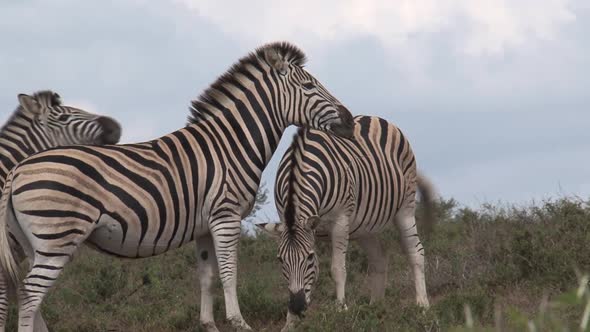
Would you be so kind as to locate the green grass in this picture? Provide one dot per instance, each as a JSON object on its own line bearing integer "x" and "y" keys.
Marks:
{"x": 490, "y": 269}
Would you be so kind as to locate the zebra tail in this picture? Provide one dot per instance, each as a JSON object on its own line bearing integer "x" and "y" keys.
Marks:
{"x": 428, "y": 197}
{"x": 7, "y": 261}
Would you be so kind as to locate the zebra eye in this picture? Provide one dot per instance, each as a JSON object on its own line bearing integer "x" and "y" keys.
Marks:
{"x": 280, "y": 259}
{"x": 310, "y": 256}
{"x": 308, "y": 86}
{"x": 63, "y": 117}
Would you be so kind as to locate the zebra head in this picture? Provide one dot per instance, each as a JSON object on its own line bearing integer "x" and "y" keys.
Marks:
{"x": 307, "y": 102}
{"x": 59, "y": 125}
{"x": 299, "y": 262}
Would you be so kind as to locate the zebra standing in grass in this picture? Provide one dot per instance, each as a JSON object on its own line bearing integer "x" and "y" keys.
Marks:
{"x": 197, "y": 183}
{"x": 41, "y": 122}
{"x": 346, "y": 189}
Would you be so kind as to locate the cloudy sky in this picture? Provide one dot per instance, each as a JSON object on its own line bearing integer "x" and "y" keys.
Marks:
{"x": 494, "y": 94}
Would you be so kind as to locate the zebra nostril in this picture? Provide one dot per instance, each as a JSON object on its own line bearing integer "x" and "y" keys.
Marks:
{"x": 111, "y": 130}
{"x": 297, "y": 303}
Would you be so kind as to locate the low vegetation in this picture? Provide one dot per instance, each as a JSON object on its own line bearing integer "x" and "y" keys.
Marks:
{"x": 488, "y": 269}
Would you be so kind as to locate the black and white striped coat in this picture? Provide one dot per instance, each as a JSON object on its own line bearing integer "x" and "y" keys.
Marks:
{"x": 346, "y": 189}
{"x": 140, "y": 200}
{"x": 41, "y": 122}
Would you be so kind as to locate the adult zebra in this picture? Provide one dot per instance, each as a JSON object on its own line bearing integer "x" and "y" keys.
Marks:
{"x": 346, "y": 189}
{"x": 41, "y": 122}
{"x": 197, "y": 183}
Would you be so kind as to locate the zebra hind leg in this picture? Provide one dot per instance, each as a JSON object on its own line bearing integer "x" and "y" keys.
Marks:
{"x": 406, "y": 224}
{"x": 34, "y": 287}
{"x": 4, "y": 284}
{"x": 7, "y": 294}
{"x": 378, "y": 266}
{"x": 207, "y": 269}
{"x": 339, "y": 237}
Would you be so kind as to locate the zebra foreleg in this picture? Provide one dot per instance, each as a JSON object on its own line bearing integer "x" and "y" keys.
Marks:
{"x": 406, "y": 224}
{"x": 226, "y": 235}
{"x": 339, "y": 237}
{"x": 377, "y": 266}
{"x": 291, "y": 322}
{"x": 207, "y": 269}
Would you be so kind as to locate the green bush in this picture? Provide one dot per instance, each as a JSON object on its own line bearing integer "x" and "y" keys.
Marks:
{"x": 506, "y": 266}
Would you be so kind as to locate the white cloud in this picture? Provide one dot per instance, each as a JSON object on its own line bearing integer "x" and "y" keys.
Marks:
{"x": 482, "y": 26}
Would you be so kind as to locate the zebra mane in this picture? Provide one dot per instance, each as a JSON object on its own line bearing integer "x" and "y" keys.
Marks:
{"x": 48, "y": 97}
{"x": 45, "y": 97}
{"x": 297, "y": 147}
{"x": 291, "y": 53}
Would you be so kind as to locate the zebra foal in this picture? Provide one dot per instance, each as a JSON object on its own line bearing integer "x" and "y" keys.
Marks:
{"x": 197, "y": 183}
{"x": 342, "y": 190}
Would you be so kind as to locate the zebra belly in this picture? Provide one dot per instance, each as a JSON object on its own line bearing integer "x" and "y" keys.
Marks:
{"x": 357, "y": 228}
{"x": 108, "y": 238}
{"x": 362, "y": 230}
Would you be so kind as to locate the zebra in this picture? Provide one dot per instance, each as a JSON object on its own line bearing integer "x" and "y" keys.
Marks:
{"x": 342, "y": 189}
{"x": 41, "y": 122}
{"x": 144, "y": 199}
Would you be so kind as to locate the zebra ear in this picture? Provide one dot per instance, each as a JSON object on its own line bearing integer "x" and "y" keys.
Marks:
{"x": 276, "y": 60}
{"x": 313, "y": 222}
{"x": 272, "y": 229}
{"x": 29, "y": 103}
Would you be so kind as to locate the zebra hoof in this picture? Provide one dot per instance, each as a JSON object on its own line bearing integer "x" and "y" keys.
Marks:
{"x": 288, "y": 327}
{"x": 209, "y": 327}
{"x": 239, "y": 324}
{"x": 423, "y": 303}
{"x": 341, "y": 307}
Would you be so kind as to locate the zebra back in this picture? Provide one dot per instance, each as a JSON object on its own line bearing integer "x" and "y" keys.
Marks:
{"x": 370, "y": 177}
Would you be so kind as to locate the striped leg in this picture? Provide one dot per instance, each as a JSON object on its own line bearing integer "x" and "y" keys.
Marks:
{"x": 4, "y": 284}
{"x": 5, "y": 288}
{"x": 7, "y": 294}
{"x": 406, "y": 224}
{"x": 377, "y": 266}
{"x": 339, "y": 237}
{"x": 40, "y": 325}
{"x": 206, "y": 268}
{"x": 34, "y": 287}
{"x": 226, "y": 235}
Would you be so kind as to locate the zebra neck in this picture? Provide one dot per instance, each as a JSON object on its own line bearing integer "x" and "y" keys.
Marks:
{"x": 18, "y": 140}
{"x": 250, "y": 132}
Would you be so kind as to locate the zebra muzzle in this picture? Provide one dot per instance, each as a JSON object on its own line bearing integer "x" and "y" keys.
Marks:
{"x": 346, "y": 126}
{"x": 111, "y": 130}
{"x": 297, "y": 303}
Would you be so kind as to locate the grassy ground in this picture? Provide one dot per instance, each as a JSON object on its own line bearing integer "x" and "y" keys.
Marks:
{"x": 509, "y": 269}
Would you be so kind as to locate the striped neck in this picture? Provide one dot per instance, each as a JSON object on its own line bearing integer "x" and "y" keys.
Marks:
{"x": 249, "y": 122}
{"x": 252, "y": 120}
{"x": 303, "y": 197}
{"x": 19, "y": 138}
